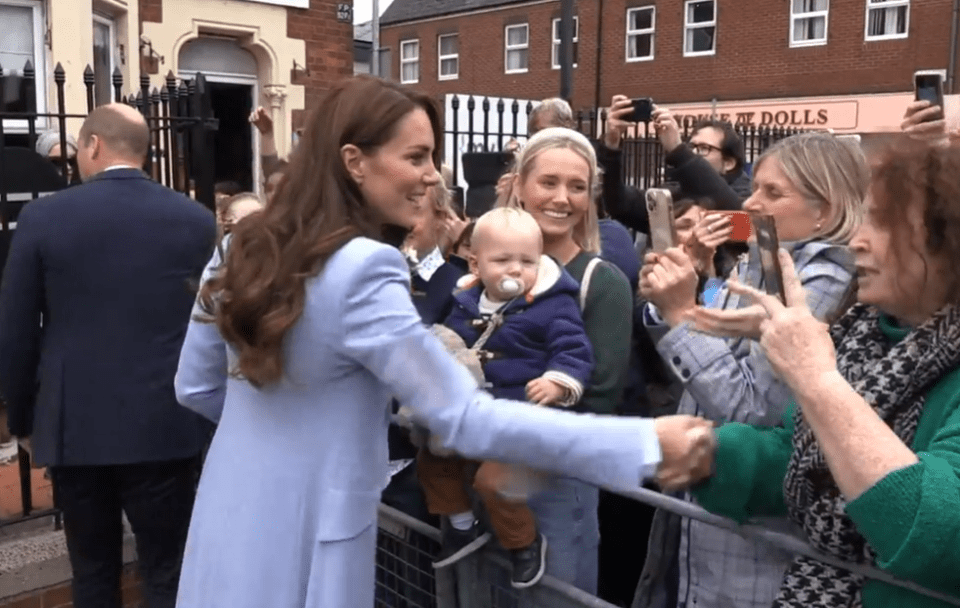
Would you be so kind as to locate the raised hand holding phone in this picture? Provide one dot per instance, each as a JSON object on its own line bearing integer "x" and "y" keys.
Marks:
{"x": 663, "y": 231}
{"x": 928, "y": 86}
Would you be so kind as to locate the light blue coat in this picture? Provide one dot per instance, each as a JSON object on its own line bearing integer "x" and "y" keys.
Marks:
{"x": 286, "y": 511}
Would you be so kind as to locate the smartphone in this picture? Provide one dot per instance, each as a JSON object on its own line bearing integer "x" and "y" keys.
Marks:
{"x": 769, "y": 246}
{"x": 928, "y": 86}
{"x": 642, "y": 109}
{"x": 741, "y": 223}
{"x": 663, "y": 230}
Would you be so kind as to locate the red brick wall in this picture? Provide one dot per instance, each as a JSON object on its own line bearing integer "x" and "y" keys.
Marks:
{"x": 481, "y": 39}
{"x": 151, "y": 10}
{"x": 753, "y": 58}
{"x": 60, "y": 596}
{"x": 329, "y": 48}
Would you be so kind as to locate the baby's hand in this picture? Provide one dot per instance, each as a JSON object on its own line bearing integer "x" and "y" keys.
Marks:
{"x": 545, "y": 392}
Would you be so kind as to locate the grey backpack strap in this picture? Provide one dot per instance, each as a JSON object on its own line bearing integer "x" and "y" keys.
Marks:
{"x": 585, "y": 282}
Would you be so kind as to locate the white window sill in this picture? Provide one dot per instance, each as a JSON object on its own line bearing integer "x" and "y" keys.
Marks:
{"x": 523, "y": 71}
{"x": 290, "y": 3}
{"x": 557, "y": 67}
{"x": 803, "y": 43}
{"x": 638, "y": 59}
{"x": 887, "y": 37}
{"x": 700, "y": 53}
{"x": 410, "y": 81}
{"x": 449, "y": 77}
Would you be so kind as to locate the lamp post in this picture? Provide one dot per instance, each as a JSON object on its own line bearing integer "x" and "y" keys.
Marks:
{"x": 566, "y": 49}
{"x": 375, "y": 39}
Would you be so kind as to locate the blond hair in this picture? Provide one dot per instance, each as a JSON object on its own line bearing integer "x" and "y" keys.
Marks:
{"x": 586, "y": 234}
{"x": 446, "y": 174}
{"x": 442, "y": 200}
{"x": 504, "y": 218}
{"x": 831, "y": 173}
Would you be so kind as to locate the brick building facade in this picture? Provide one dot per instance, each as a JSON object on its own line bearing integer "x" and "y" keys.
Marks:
{"x": 787, "y": 63}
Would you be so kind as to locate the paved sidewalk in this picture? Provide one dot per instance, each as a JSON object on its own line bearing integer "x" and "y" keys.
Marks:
{"x": 10, "y": 503}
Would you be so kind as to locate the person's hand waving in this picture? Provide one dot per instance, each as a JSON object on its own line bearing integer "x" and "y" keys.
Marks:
{"x": 261, "y": 119}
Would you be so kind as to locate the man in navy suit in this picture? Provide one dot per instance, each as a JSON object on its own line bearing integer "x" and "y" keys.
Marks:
{"x": 94, "y": 305}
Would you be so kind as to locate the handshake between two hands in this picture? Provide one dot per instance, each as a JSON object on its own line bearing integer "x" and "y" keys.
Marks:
{"x": 688, "y": 445}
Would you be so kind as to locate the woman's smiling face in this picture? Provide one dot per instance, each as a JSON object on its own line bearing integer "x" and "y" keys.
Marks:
{"x": 556, "y": 191}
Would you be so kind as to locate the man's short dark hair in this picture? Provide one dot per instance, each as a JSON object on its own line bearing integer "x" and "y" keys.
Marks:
{"x": 127, "y": 137}
{"x": 732, "y": 145}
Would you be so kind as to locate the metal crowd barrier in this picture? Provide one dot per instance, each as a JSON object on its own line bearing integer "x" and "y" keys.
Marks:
{"x": 405, "y": 578}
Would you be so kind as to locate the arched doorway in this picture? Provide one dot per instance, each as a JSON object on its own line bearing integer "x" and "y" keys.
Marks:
{"x": 231, "y": 72}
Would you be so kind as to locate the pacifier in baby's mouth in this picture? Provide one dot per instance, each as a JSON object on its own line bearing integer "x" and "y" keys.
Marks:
{"x": 510, "y": 287}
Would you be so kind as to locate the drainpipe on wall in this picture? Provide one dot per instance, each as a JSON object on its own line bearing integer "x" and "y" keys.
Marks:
{"x": 375, "y": 39}
{"x": 952, "y": 70}
{"x": 596, "y": 94}
{"x": 566, "y": 49}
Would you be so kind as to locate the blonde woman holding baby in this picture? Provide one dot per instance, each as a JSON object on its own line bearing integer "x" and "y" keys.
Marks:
{"x": 556, "y": 180}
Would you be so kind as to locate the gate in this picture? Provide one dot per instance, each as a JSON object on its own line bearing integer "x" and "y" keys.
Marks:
{"x": 180, "y": 118}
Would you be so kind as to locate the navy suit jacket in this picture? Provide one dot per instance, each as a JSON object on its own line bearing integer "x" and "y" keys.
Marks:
{"x": 94, "y": 306}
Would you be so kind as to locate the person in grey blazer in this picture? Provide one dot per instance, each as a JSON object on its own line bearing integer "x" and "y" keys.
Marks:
{"x": 94, "y": 305}
{"x": 297, "y": 344}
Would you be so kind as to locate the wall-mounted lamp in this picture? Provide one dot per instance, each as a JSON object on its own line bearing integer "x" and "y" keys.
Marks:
{"x": 299, "y": 70}
{"x": 150, "y": 60}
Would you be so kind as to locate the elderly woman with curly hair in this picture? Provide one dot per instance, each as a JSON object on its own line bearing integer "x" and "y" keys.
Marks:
{"x": 868, "y": 460}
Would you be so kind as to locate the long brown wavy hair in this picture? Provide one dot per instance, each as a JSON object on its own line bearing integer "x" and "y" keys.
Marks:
{"x": 257, "y": 295}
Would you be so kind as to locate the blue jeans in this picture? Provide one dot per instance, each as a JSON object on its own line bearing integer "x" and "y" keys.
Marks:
{"x": 566, "y": 513}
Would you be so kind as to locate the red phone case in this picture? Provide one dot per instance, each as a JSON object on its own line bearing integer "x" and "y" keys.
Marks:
{"x": 742, "y": 226}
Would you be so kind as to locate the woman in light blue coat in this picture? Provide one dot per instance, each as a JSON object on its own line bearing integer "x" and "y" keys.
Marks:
{"x": 300, "y": 339}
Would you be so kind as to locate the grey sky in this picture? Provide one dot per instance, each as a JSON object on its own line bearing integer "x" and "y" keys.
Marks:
{"x": 363, "y": 9}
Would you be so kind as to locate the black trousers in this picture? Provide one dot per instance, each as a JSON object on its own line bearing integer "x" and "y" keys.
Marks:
{"x": 157, "y": 498}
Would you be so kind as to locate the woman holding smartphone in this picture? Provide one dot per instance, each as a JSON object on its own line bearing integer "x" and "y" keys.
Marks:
{"x": 813, "y": 186}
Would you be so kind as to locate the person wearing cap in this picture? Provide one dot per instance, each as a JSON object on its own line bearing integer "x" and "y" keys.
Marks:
{"x": 518, "y": 310}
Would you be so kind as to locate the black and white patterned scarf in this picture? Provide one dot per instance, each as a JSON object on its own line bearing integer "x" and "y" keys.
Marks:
{"x": 894, "y": 379}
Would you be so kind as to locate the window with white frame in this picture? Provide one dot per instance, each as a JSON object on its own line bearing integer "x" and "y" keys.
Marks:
{"x": 448, "y": 56}
{"x": 887, "y": 19}
{"x": 104, "y": 58}
{"x": 21, "y": 40}
{"x": 700, "y": 28}
{"x": 641, "y": 24}
{"x": 516, "y": 48}
{"x": 409, "y": 61}
{"x": 555, "y": 47}
{"x": 808, "y": 22}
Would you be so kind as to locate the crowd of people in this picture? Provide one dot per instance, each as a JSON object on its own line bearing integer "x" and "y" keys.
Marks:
{"x": 529, "y": 357}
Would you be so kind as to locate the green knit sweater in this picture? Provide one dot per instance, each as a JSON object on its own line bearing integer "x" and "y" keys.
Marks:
{"x": 911, "y": 517}
{"x": 608, "y": 321}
